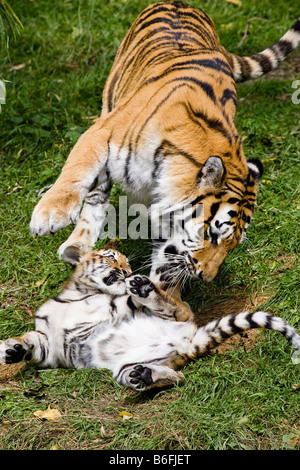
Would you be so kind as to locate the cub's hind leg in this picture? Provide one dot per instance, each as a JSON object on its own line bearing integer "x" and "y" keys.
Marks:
{"x": 32, "y": 346}
{"x": 145, "y": 292}
{"x": 143, "y": 377}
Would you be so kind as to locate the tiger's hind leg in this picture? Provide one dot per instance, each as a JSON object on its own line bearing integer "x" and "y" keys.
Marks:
{"x": 32, "y": 346}
{"x": 143, "y": 377}
{"x": 90, "y": 223}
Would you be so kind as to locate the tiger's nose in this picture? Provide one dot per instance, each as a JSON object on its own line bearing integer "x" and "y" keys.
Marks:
{"x": 126, "y": 272}
{"x": 171, "y": 250}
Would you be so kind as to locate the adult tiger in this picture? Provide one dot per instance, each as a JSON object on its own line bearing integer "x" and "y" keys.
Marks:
{"x": 167, "y": 134}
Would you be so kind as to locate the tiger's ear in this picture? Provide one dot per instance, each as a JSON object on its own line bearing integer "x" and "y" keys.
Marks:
{"x": 112, "y": 244}
{"x": 72, "y": 255}
{"x": 212, "y": 172}
{"x": 256, "y": 168}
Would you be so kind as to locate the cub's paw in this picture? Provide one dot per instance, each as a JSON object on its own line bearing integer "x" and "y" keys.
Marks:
{"x": 140, "y": 377}
{"x": 140, "y": 286}
{"x": 54, "y": 212}
{"x": 12, "y": 351}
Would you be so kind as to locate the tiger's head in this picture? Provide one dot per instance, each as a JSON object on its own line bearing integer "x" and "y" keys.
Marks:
{"x": 219, "y": 215}
{"x": 104, "y": 270}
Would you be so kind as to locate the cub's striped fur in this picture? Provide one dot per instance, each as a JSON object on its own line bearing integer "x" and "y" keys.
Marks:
{"x": 105, "y": 317}
{"x": 167, "y": 134}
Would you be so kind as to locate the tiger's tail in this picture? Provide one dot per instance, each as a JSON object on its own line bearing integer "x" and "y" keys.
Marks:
{"x": 261, "y": 63}
{"x": 217, "y": 331}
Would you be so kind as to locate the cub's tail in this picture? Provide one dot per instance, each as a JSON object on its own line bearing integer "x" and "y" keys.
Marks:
{"x": 261, "y": 63}
{"x": 217, "y": 331}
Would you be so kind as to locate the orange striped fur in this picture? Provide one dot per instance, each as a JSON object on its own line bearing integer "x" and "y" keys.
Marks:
{"x": 167, "y": 134}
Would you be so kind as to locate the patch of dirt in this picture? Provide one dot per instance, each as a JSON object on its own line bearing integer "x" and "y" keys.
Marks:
{"x": 249, "y": 338}
{"x": 288, "y": 69}
{"x": 246, "y": 340}
{"x": 287, "y": 259}
{"x": 285, "y": 262}
{"x": 8, "y": 371}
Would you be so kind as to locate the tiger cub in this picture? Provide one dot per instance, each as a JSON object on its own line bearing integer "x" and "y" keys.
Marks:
{"x": 105, "y": 317}
{"x": 167, "y": 134}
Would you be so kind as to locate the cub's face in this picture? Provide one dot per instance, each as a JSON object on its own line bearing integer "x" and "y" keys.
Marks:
{"x": 104, "y": 270}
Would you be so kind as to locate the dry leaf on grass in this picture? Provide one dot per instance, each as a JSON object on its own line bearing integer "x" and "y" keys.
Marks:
{"x": 291, "y": 439}
{"x": 238, "y": 3}
{"x": 51, "y": 414}
{"x": 123, "y": 415}
{"x": 14, "y": 68}
{"x": 15, "y": 188}
{"x": 104, "y": 434}
{"x": 227, "y": 26}
{"x": 41, "y": 282}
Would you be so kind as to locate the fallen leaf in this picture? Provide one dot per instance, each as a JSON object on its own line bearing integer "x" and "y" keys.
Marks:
{"x": 104, "y": 434}
{"x": 51, "y": 414}
{"x": 56, "y": 447}
{"x": 15, "y": 188}
{"x": 123, "y": 415}
{"x": 243, "y": 420}
{"x": 238, "y": 3}
{"x": 227, "y": 26}
{"x": 291, "y": 439}
{"x": 76, "y": 32}
{"x": 266, "y": 181}
{"x": 14, "y": 68}
{"x": 41, "y": 282}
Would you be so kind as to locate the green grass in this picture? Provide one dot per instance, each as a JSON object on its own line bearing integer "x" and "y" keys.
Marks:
{"x": 237, "y": 400}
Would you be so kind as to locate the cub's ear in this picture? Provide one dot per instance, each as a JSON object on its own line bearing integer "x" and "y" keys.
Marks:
{"x": 212, "y": 172}
{"x": 72, "y": 255}
{"x": 112, "y": 244}
{"x": 256, "y": 168}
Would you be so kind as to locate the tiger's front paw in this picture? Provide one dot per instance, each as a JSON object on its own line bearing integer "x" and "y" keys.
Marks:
{"x": 12, "y": 351}
{"x": 55, "y": 211}
{"x": 140, "y": 377}
{"x": 140, "y": 286}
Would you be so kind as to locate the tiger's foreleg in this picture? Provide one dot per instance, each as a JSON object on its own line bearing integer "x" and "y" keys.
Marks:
{"x": 32, "y": 346}
{"x": 90, "y": 224}
{"x": 145, "y": 292}
{"x": 61, "y": 205}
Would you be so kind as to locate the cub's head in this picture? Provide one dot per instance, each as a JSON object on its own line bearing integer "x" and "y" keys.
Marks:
{"x": 214, "y": 222}
{"x": 104, "y": 270}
